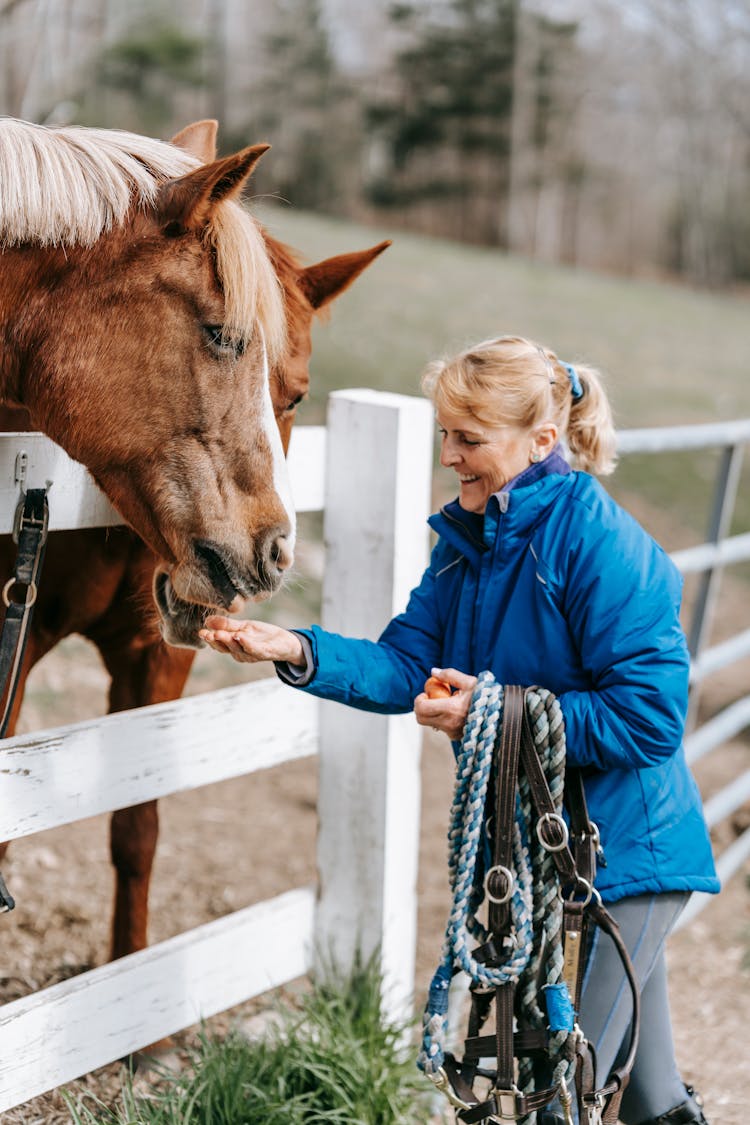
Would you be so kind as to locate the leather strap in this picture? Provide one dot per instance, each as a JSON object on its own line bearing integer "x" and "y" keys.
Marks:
{"x": 619, "y": 1076}
{"x": 498, "y": 882}
{"x": 31, "y": 535}
{"x": 584, "y": 835}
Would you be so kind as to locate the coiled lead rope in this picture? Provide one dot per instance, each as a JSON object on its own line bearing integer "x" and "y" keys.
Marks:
{"x": 536, "y": 903}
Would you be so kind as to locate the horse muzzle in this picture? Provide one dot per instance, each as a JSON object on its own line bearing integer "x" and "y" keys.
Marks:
{"x": 212, "y": 579}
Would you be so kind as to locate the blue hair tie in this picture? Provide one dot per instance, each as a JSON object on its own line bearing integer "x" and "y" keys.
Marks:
{"x": 575, "y": 383}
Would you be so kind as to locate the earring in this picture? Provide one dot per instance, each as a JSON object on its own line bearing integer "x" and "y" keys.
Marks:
{"x": 535, "y": 456}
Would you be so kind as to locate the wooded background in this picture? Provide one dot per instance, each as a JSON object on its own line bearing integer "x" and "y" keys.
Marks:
{"x": 589, "y": 132}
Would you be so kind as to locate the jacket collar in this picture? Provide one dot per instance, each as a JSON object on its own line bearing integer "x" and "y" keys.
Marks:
{"x": 522, "y": 502}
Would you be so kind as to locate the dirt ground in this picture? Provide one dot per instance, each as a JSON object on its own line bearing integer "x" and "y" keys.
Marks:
{"x": 213, "y": 842}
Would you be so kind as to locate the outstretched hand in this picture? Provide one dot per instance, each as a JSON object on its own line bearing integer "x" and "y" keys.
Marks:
{"x": 249, "y": 642}
{"x": 447, "y": 714}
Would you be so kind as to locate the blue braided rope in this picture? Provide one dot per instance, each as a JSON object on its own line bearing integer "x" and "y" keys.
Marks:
{"x": 536, "y": 904}
{"x": 465, "y": 838}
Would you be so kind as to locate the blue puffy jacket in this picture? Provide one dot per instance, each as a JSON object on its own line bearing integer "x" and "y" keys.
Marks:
{"x": 558, "y": 586}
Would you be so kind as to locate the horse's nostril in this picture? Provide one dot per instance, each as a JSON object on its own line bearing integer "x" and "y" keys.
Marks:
{"x": 218, "y": 568}
{"x": 281, "y": 555}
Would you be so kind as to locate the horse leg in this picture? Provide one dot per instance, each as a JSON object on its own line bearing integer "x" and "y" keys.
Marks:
{"x": 151, "y": 674}
{"x": 133, "y": 836}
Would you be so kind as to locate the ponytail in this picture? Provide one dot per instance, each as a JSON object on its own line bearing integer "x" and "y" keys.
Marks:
{"x": 591, "y": 429}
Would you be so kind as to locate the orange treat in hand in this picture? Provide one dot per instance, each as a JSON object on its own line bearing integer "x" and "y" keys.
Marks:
{"x": 437, "y": 689}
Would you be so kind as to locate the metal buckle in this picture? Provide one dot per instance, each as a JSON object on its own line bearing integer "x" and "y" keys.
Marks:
{"x": 20, "y": 523}
{"x": 507, "y": 1102}
{"x": 552, "y": 818}
{"x": 594, "y": 1104}
{"x": 510, "y": 878}
{"x": 443, "y": 1083}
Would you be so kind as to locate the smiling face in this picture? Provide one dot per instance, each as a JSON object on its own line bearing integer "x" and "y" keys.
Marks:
{"x": 486, "y": 458}
{"x": 483, "y": 458}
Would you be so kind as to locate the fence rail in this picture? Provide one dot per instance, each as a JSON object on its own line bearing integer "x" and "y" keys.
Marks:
{"x": 710, "y": 559}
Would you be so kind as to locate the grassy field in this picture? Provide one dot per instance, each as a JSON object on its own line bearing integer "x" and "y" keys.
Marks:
{"x": 670, "y": 354}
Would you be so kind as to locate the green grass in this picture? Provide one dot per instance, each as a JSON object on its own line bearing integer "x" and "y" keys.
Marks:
{"x": 330, "y": 1062}
{"x": 671, "y": 354}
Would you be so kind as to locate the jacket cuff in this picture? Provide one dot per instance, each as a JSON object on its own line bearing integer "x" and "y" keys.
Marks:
{"x": 298, "y": 675}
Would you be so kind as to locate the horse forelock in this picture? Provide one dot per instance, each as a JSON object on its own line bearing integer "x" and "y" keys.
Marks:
{"x": 252, "y": 290}
{"x": 69, "y": 186}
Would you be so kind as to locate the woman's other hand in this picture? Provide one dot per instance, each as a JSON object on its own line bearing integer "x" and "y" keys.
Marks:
{"x": 251, "y": 641}
{"x": 447, "y": 714}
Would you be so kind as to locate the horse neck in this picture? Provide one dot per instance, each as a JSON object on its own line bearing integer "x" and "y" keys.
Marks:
{"x": 24, "y": 292}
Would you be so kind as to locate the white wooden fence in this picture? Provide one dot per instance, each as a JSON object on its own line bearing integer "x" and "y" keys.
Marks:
{"x": 370, "y": 473}
{"x": 374, "y": 490}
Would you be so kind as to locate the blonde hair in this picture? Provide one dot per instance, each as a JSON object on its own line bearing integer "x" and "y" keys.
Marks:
{"x": 69, "y": 186}
{"x": 514, "y": 381}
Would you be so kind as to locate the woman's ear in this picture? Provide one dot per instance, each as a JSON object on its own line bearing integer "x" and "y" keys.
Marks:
{"x": 545, "y": 438}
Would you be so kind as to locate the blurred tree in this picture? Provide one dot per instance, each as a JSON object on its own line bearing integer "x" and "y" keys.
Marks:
{"x": 444, "y": 123}
{"x": 549, "y": 169}
{"x": 149, "y": 67}
{"x": 306, "y": 108}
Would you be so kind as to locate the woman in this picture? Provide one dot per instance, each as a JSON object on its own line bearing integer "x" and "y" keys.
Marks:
{"x": 541, "y": 578}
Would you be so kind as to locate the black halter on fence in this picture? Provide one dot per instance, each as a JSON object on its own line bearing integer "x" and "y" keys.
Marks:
{"x": 30, "y": 533}
{"x": 538, "y": 878}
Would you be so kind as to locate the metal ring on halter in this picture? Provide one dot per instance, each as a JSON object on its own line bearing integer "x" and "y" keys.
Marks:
{"x": 30, "y": 593}
{"x": 510, "y": 878}
{"x": 552, "y": 818}
{"x": 590, "y": 892}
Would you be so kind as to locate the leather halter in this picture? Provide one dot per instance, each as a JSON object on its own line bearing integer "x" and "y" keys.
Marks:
{"x": 30, "y": 533}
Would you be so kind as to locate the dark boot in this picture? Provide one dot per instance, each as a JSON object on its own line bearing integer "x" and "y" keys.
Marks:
{"x": 689, "y": 1112}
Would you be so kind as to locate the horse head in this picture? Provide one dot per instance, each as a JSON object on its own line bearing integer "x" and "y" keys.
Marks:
{"x": 307, "y": 291}
{"x": 140, "y": 317}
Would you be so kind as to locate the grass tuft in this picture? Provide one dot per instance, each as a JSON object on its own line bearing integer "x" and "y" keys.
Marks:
{"x": 332, "y": 1061}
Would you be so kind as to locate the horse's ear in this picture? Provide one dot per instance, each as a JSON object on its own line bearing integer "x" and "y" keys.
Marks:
{"x": 189, "y": 202}
{"x": 199, "y": 139}
{"x": 323, "y": 282}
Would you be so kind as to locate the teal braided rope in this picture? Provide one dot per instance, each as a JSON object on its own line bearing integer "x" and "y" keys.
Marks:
{"x": 465, "y": 837}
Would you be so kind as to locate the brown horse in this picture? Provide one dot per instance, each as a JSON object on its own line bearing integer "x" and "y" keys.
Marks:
{"x": 138, "y": 311}
{"x": 98, "y": 583}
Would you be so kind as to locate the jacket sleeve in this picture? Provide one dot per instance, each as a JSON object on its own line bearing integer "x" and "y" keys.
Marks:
{"x": 621, "y": 602}
{"x": 384, "y": 675}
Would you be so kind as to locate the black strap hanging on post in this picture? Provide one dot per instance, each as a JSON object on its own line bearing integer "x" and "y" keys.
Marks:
{"x": 30, "y": 533}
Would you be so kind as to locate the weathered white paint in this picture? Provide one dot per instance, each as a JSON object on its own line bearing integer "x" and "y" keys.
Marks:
{"x": 55, "y": 1035}
{"x": 58, "y": 776}
{"x": 378, "y": 489}
{"x": 75, "y": 499}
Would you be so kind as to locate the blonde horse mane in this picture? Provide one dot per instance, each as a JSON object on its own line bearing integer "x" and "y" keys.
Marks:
{"x": 69, "y": 186}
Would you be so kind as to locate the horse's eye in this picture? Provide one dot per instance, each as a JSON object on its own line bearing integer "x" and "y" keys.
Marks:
{"x": 222, "y": 346}
{"x": 294, "y": 404}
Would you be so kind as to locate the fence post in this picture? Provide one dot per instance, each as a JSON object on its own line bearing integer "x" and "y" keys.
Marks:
{"x": 377, "y": 498}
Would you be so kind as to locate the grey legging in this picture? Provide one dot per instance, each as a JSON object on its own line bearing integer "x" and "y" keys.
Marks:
{"x": 655, "y": 1084}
